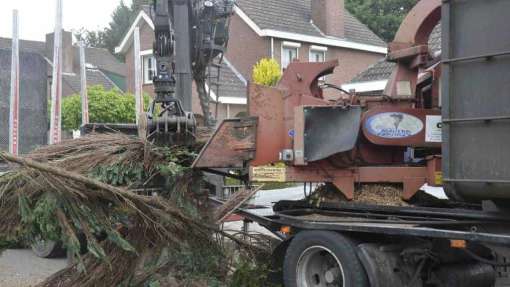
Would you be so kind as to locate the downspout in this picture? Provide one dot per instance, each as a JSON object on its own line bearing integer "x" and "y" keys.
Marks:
{"x": 272, "y": 48}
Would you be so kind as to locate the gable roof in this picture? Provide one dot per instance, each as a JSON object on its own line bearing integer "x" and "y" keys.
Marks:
{"x": 24, "y": 45}
{"x": 379, "y": 71}
{"x": 102, "y": 59}
{"x": 285, "y": 19}
{"x": 294, "y": 16}
{"x": 358, "y": 32}
{"x": 233, "y": 86}
{"x": 382, "y": 70}
{"x": 282, "y": 15}
{"x": 98, "y": 57}
{"x": 143, "y": 17}
{"x": 94, "y": 77}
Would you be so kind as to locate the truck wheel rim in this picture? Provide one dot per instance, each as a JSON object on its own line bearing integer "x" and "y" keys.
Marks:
{"x": 43, "y": 247}
{"x": 319, "y": 267}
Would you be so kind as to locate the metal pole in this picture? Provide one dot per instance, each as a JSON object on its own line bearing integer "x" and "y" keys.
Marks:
{"x": 84, "y": 95}
{"x": 14, "y": 96}
{"x": 56, "y": 86}
{"x": 138, "y": 75}
{"x": 184, "y": 90}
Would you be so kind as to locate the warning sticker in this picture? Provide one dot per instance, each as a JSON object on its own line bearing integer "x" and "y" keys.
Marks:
{"x": 268, "y": 174}
{"x": 438, "y": 178}
{"x": 433, "y": 129}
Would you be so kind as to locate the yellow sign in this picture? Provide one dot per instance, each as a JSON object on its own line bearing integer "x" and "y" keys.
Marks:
{"x": 268, "y": 174}
{"x": 438, "y": 179}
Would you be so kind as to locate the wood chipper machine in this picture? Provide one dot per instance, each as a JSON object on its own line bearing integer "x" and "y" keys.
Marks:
{"x": 439, "y": 120}
{"x": 395, "y": 138}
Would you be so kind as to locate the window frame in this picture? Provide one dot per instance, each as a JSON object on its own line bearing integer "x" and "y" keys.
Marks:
{"x": 146, "y": 55}
{"x": 288, "y": 45}
{"x": 317, "y": 49}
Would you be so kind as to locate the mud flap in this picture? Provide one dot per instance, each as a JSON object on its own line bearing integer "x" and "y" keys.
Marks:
{"x": 330, "y": 130}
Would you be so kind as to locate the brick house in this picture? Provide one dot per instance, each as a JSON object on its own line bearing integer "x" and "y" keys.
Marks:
{"x": 231, "y": 95}
{"x": 286, "y": 30}
{"x": 102, "y": 67}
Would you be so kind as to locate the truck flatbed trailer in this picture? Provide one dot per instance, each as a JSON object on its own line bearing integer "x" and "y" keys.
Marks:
{"x": 443, "y": 120}
{"x": 458, "y": 224}
{"x": 380, "y": 235}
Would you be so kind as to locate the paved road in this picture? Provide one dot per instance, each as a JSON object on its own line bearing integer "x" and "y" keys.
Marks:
{"x": 21, "y": 268}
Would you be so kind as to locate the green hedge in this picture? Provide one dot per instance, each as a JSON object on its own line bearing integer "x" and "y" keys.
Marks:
{"x": 111, "y": 106}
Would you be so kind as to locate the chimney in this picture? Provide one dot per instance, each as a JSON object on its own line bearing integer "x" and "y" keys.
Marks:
{"x": 328, "y": 16}
{"x": 67, "y": 50}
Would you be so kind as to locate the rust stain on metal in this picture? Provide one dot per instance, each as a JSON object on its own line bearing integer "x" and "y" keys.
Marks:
{"x": 409, "y": 48}
{"x": 230, "y": 146}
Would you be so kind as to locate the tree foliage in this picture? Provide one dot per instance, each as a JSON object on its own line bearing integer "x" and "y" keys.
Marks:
{"x": 122, "y": 19}
{"x": 267, "y": 72}
{"x": 90, "y": 38}
{"x": 110, "y": 37}
{"x": 104, "y": 107}
{"x": 381, "y": 16}
{"x": 137, "y": 4}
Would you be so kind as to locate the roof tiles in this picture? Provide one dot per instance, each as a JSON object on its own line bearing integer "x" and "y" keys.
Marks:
{"x": 382, "y": 70}
{"x": 94, "y": 78}
{"x": 295, "y": 16}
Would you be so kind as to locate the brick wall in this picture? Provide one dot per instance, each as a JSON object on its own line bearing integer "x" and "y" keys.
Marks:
{"x": 245, "y": 47}
{"x": 351, "y": 62}
{"x": 146, "y": 42}
{"x": 328, "y": 16}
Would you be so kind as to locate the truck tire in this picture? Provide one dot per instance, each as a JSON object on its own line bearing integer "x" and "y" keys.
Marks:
{"x": 322, "y": 259}
{"x": 48, "y": 249}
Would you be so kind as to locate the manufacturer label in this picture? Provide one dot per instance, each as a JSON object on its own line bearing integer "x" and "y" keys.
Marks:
{"x": 268, "y": 174}
{"x": 433, "y": 129}
{"x": 394, "y": 125}
{"x": 404, "y": 89}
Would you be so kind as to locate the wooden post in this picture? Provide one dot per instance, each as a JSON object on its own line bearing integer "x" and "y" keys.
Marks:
{"x": 84, "y": 94}
{"x": 56, "y": 86}
{"x": 14, "y": 96}
{"x": 138, "y": 75}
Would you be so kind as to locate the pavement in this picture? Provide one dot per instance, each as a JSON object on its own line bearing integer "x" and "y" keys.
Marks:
{"x": 21, "y": 268}
{"x": 264, "y": 200}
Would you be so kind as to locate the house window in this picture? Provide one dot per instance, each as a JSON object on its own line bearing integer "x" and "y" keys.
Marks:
{"x": 149, "y": 69}
{"x": 318, "y": 55}
{"x": 289, "y": 53}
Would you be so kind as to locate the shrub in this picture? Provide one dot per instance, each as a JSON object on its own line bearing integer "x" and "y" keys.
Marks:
{"x": 104, "y": 107}
{"x": 267, "y": 72}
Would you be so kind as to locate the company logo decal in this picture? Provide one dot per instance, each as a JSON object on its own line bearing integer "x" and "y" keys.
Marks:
{"x": 394, "y": 125}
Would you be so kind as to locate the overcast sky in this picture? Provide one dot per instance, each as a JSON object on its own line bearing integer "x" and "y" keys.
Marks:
{"x": 37, "y": 17}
